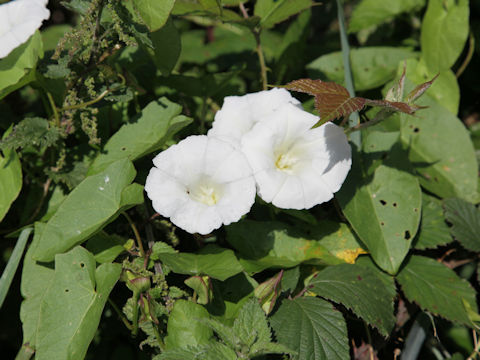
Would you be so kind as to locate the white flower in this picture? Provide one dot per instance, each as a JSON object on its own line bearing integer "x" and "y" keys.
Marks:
{"x": 297, "y": 167}
{"x": 19, "y": 19}
{"x": 239, "y": 114}
{"x": 201, "y": 183}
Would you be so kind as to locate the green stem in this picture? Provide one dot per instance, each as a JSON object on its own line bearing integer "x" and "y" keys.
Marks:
{"x": 136, "y": 296}
{"x": 158, "y": 337}
{"x": 261, "y": 60}
{"x": 136, "y": 233}
{"x": 97, "y": 99}
{"x": 120, "y": 314}
{"x": 354, "y": 119}
{"x": 54, "y": 109}
{"x": 468, "y": 58}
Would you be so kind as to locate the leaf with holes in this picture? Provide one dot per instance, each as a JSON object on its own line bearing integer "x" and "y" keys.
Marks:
{"x": 384, "y": 210}
{"x": 440, "y": 150}
{"x": 433, "y": 230}
{"x": 311, "y": 327}
{"x": 73, "y": 304}
{"x": 465, "y": 220}
{"x": 331, "y": 100}
{"x": 437, "y": 288}
{"x": 359, "y": 289}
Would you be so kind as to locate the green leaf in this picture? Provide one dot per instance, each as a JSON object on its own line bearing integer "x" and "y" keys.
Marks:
{"x": 10, "y": 178}
{"x": 98, "y": 200}
{"x": 166, "y": 47}
{"x": 31, "y": 131}
{"x": 312, "y": 328}
{"x": 444, "y": 90}
{"x": 441, "y": 151}
{"x": 212, "y": 351}
{"x": 444, "y": 33}
{"x": 436, "y": 288}
{"x": 12, "y": 264}
{"x": 359, "y": 289}
{"x": 274, "y": 244}
{"x": 433, "y": 230}
{"x": 36, "y": 280}
{"x": 105, "y": 247}
{"x": 213, "y": 261}
{"x": 251, "y": 324}
{"x": 383, "y": 209}
{"x": 272, "y": 12}
{"x": 370, "y": 13}
{"x": 153, "y": 12}
{"x": 388, "y": 280}
{"x": 149, "y": 131}
{"x": 371, "y": 66}
{"x": 16, "y": 68}
{"x": 465, "y": 220}
{"x": 185, "y": 327}
{"x": 72, "y": 307}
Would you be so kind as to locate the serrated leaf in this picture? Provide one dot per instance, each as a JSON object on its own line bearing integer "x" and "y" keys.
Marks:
{"x": 370, "y": 13}
{"x": 157, "y": 123}
{"x": 272, "y": 12}
{"x": 31, "y": 131}
{"x": 419, "y": 90}
{"x": 17, "y": 69}
{"x": 433, "y": 230}
{"x": 251, "y": 324}
{"x": 185, "y": 327}
{"x": 331, "y": 100}
{"x": 444, "y": 32}
{"x": 359, "y": 289}
{"x": 224, "y": 332}
{"x": 394, "y": 105}
{"x": 216, "y": 262}
{"x": 311, "y": 327}
{"x": 465, "y": 220}
{"x": 212, "y": 351}
{"x": 98, "y": 200}
{"x": 383, "y": 208}
{"x": 71, "y": 309}
{"x": 371, "y": 66}
{"x": 274, "y": 244}
{"x": 436, "y": 288}
{"x": 10, "y": 179}
{"x": 153, "y": 12}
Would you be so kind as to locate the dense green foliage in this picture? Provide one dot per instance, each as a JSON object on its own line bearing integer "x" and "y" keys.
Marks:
{"x": 105, "y": 85}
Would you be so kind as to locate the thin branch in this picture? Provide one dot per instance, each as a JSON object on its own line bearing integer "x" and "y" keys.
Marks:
{"x": 261, "y": 60}
{"x": 120, "y": 314}
{"x": 468, "y": 58}
{"x": 54, "y": 109}
{"x": 137, "y": 234}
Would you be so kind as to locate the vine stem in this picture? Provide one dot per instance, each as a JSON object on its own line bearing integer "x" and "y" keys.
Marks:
{"x": 136, "y": 296}
{"x": 258, "y": 49}
{"x": 97, "y": 99}
{"x": 136, "y": 233}
{"x": 468, "y": 58}
{"x": 54, "y": 109}
{"x": 354, "y": 119}
{"x": 261, "y": 60}
{"x": 120, "y": 314}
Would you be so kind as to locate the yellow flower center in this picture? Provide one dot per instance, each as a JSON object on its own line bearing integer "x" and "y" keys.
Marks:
{"x": 286, "y": 161}
{"x": 205, "y": 192}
